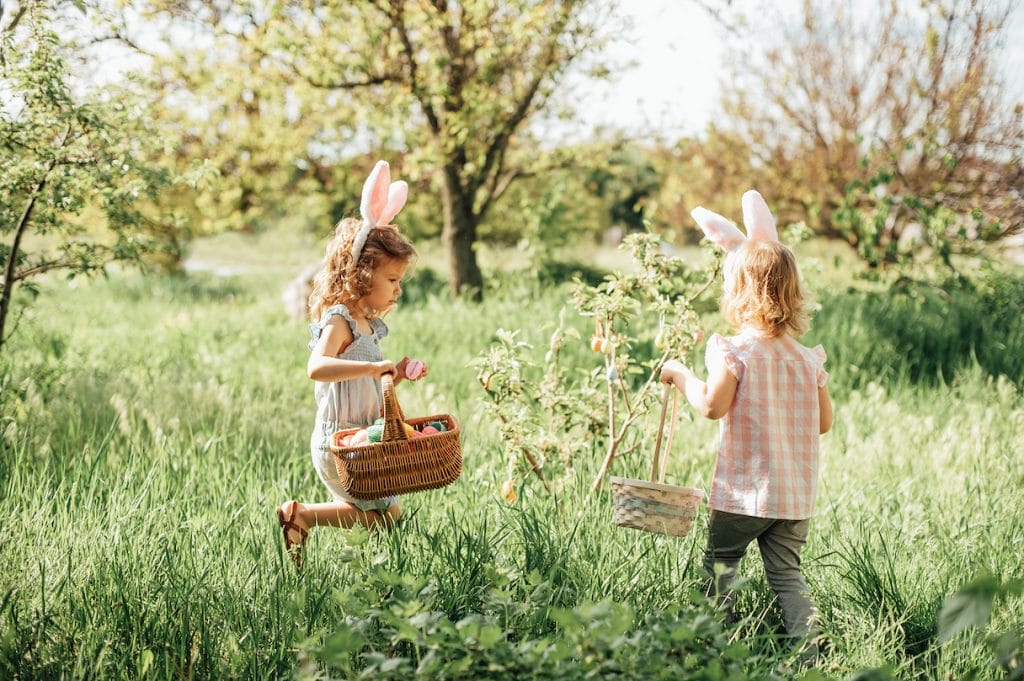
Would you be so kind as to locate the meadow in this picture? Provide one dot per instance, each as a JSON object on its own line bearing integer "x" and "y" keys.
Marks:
{"x": 151, "y": 425}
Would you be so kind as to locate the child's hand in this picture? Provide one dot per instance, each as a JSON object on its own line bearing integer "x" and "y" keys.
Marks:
{"x": 413, "y": 369}
{"x": 671, "y": 369}
{"x": 378, "y": 369}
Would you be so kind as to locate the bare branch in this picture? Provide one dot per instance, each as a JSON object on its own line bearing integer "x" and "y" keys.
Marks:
{"x": 397, "y": 18}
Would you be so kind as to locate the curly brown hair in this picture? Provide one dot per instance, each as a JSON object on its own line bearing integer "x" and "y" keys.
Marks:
{"x": 763, "y": 289}
{"x": 343, "y": 281}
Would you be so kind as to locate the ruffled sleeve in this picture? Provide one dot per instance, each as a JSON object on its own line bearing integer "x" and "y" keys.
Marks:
{"x": 380, "y": 329}
{"x": 819, "y": 356}
{"x": 720, "y": 351}
{"x": 317, "y": 328}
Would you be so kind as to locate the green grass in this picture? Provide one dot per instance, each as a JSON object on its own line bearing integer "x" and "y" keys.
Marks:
{"x": 151, "y": 425}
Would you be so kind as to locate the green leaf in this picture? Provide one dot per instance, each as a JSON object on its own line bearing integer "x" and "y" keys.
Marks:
{"x": 344, "y": 640}
{"x": 737, "y": 651}
{"x": 489, "y": 635}
{"x": 970, "y": 607}
{"x": 145, "y": 662}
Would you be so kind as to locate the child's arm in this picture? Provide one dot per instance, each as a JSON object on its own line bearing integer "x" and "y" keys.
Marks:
{"x": 324, "y": 364}
{"x": 712, "y": 399}
{"x": 824, "y": 410}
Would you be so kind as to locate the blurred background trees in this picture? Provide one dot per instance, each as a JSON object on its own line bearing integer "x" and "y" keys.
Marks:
{"x": 882, "y": 127}
{"x": 885, "y": 126}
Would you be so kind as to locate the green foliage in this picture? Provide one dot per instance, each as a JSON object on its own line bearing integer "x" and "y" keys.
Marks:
{"x": 626, "y": 180}
{"x": 282, "y": 147}
{"x": 889, "y": 223}
{"x": 971, "y": 608}
{"x": 149, "y": 426}
{"x": 924, "y": 332}
{"x": 400, "y": 636}
{"x": 547, "y": 421}
{"x": 75, "y": 175}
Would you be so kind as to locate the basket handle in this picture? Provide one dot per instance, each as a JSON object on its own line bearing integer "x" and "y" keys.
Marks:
{"x": 659, "y": 465}
{"x": 392, "y": 413}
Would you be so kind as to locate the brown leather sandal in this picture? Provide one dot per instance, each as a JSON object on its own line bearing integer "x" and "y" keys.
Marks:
{"x": 288, "y": 525}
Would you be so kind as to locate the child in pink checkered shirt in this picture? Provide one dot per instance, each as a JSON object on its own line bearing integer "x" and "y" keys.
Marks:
{"x": 771, "y": 394}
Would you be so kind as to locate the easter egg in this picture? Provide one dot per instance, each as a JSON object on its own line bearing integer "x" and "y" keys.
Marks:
{"x": 415, "y": 434}
{"x": 438, "y": 425}
{"x": 359, "y": 439}
{"x": 409, "y": 430}
{"x": 375, "y": 433}
{"x": 414, "y": 369}
{"x": 429, "y": 430}
{"x": 379, "y": 421}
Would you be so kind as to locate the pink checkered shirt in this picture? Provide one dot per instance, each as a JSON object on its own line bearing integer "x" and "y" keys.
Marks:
{"x": 768, "y": 457}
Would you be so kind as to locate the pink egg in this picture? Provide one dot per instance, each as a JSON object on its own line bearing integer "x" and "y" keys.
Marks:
{"x": 359, "y": 439}
{"x": 429, "y": 430}
{"x": 413, "y": 369}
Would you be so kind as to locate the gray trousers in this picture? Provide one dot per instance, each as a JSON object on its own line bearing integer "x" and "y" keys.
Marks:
{"x": 780, "y": 542}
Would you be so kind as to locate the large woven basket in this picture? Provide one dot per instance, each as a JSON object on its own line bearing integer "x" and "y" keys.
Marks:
{"x": 652, "y": 505}
{"x": 399, "y": 464}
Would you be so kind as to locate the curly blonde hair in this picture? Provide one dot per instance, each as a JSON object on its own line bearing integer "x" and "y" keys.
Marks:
{"x": 343, "y": 281}
{"x": 763, "y": 290}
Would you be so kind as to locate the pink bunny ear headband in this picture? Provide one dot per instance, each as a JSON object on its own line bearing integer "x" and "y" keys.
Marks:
{"x": 382, "y": 199}
{"x": 723, "y": 233}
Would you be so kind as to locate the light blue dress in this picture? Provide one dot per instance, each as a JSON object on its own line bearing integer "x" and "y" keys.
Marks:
{"x": 354, "y": 403}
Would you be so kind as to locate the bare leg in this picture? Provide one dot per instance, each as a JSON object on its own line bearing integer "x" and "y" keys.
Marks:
{"x": 302, "y": 517}
{"x": 344, "y": 514}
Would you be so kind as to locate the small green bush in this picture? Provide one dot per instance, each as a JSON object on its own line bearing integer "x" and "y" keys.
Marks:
{"x": 924, "y": 333}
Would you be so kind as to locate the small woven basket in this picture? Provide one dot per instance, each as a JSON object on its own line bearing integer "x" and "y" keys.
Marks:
{"x": 652, "y": 505}
{"x": 399, "y": 464}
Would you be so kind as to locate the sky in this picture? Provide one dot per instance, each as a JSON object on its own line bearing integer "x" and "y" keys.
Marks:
{"x": 678, "y": 50}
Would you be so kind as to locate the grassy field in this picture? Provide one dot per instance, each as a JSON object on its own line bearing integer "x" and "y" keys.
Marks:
{"x": 151, "y": 425}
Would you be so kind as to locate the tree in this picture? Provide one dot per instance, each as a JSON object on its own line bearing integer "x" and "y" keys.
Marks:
{"x": 74, "y": 171}
{"x": 456, "y": 82}
{"x": 275, "y": 144}
{"x": 875, "y": 125}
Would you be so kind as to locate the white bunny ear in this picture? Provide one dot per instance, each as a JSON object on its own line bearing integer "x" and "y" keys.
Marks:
{"x": 723, "y": 233}
{"x": 375, "y": 193}
{"x": 757, "y": 218}
{"x": 398, "y": 192}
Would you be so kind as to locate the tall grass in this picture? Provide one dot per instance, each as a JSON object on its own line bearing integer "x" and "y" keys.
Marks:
{"x": 150, "y": 426}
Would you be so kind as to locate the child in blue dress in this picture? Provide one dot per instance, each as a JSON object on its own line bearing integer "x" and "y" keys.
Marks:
{"x": 361, "y": 280}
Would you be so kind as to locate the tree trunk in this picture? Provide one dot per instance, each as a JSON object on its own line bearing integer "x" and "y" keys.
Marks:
{"x": 458, "y": 236}
{"x": 12, "y": 257}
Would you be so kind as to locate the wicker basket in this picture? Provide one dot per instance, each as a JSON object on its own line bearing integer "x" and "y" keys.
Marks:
{"x": 399, "y": 464}
{"x": 652, "y": 505}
